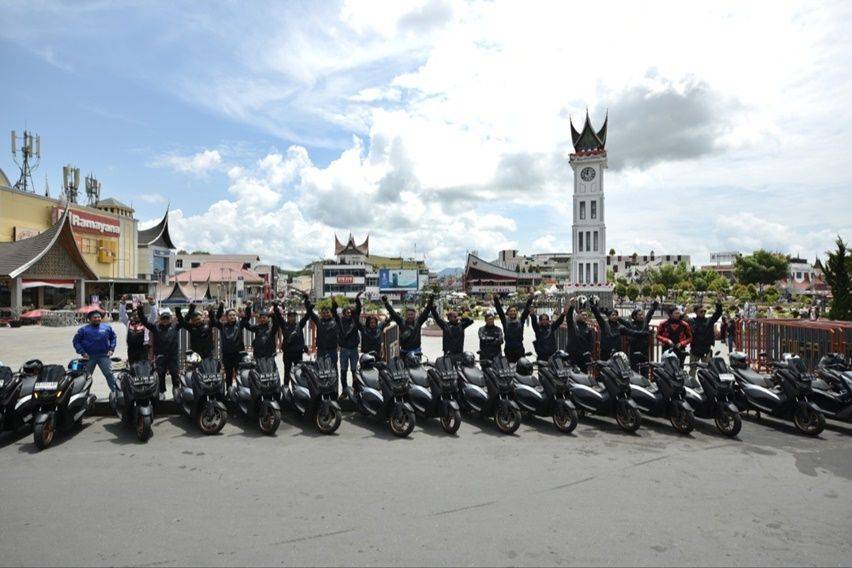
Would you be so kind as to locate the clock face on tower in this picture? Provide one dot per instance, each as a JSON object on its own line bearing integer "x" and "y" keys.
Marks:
{"x": 587, "y": 174}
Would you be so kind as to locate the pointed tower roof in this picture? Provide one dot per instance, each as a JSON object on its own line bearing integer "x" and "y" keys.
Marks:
{"x": 587, "y": 140}
{"x": 157, "y": 235}
{"x": 350, "y": 247}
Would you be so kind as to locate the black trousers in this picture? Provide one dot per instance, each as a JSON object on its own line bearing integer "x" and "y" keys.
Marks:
{"x": 514, "y": 353}
{"x": 231, "y": 362}
{"x": 291, "y": 359}
{"x": 168, "y": 364}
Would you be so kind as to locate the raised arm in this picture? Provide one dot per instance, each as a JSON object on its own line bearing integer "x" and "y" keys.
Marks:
{"x": 650, "y": 314}
{"x": 181, "y": 321}
{"x": 309, "y": 311}
{"x": 466, "y": 322}
{"x": 572, "y": 323}
{"x": 356, "y": 313}
{"x": 427, "y": 309}
{"x": 559, "y": 321}
{"x": 391, "y": 312}
{"x": 499, "y": 307}
{"x": 717, "y": 313}
{"x": 122, "y": 312}
{"x": 442, "y": 323}
{"x": 247, "y": 319}
{"x": 526, "y": 313}
{"x": 146, "y": 322}
{"x": 603, "y": 325}
{"x": 534, "y": 320}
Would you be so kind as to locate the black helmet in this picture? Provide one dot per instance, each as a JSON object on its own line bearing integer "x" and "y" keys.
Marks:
{"x": 468, "y": 359}
{"x": 832, "y": 360}
{"x": 561, "y": 354}
{"x": 738, "y": 360}
{"x": 32, "y": 367}
{"x": 524, "y": 366}
{"x": 367, "y": 361}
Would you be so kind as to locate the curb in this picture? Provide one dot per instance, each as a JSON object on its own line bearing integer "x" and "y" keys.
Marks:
{"x": 169, "y": 408}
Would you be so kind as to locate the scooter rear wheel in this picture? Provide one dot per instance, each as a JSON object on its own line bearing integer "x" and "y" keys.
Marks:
{"x": 809, "y": 421}
{"x": 683, "y": 421}
{"x": 327, "y": 420}
{"x": 451, "y": 422}
{"x": 211, "y": 420}
{"x": 728, "y": 423}
{"x": 401, "y": 422}
{"x": 628, "y": 419}
{"x": 143, "y": 428}
{"x": 43, "y": 434}
{"x": 269, "y": 421}
{"x": 565, "y": 419}
{"x": 508, "y": 420}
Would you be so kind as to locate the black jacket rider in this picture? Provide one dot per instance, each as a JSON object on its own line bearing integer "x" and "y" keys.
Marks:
{"x": 513, "y": 330}
{"x": 611, "y": 333}
{"x": 328, "y": 330}
{"x": 164, "y": 337}
{"x": 453, "y": 336}
{"x": 490, "y": 342}
{"x": 581, "y": 339}
{"x": 409, "y": 334}
{"x": 704, "y": 332}
{"x": 230, "y": 334}
{"x": 349, "y": 338}
{"x": 545, "y": 337}
{"x": 265, "y": 339}
{"x": 293, "y": 345}
{"x": 201, "y": 335}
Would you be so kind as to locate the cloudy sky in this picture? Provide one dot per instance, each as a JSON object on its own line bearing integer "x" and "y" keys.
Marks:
{"x": 442, "y": 127}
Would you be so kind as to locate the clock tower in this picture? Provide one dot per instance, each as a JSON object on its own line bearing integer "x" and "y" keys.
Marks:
{"x": 588, "y": 258}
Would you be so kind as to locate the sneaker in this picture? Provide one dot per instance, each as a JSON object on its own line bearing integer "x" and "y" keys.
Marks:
{"x": 343, "y": 396}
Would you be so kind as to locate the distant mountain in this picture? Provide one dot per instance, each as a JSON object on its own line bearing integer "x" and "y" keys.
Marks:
{"x": 447, "y": 272}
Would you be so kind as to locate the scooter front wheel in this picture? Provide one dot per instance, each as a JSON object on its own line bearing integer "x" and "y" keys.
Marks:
{"x": 327, "y": 420}
{"x": 143, "y": 428}
{"x": 212, "y": 419}
{"x": 682, "y": 420}
{"x": 565, "y": 419}
{"x": 728, "y": 423}
{"x": 451, "y": 422}
{"x": 508, "y": 419}
{"x": 809, "y": 421}
{"x": 628, "y": 419}
{"x": 401, "y": 421}
{"x": 269, "y": 421}
{"x": 43, "y": 434}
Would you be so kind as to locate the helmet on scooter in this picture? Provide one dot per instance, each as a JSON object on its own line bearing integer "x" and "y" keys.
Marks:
{"x": 468, "y": 359}
{"x": 561, "y": 354}
{"x": 832, "y": 360}
{"x": 367, "y": 360}
{"x": 32, "y": 367}
{"x": 524, "y": 366}
{"x": 738, "y": 360}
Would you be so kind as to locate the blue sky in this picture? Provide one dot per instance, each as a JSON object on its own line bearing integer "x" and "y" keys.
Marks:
{"x": 271, "y": 126}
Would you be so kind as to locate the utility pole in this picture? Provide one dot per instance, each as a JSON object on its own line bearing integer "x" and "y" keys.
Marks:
{"x": 30, "y": 149}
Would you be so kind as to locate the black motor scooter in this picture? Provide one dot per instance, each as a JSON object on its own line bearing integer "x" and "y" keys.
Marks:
{"x": 134, "y": 402}
{"x": 312, "y": 394}
{"x": 491, "y": 392}
{"x": 435, "y": 395}
{"x": 832, "y": 389}
{"x": 666, "y": 396}
{"x": 548, "y": 394}
{"x": 256, "y": 392}
{"x": 711, "y": 395}
{"x": 201, "y": 394}
{"x": 61, "y": 398}
{"x": 609, "y": 394}
{"x": 381, "y": 391}
{"x": 16, "y": 396}
{"x": 789, "y": 399}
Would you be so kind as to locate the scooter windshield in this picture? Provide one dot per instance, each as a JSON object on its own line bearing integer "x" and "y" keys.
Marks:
{"x": 796, "y": 364}
{"x": 620, "y": 363}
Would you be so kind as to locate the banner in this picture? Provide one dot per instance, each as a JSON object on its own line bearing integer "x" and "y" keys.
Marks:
{"x": 392, "y": 280}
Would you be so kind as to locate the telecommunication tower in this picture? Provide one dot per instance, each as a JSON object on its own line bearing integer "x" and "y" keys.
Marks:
{"x": 30, "y": 149}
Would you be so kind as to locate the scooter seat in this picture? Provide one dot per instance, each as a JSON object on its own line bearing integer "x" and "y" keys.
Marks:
{"x": 474, "y": 376}
{"x": 529, "y": 380}
{"x": 370, "y": 377}
{"x": 583, "y": 379}
{"x": 755, "y": 378}
{"x": 419, "y": 376}
{"x": 639, "y": 379}
{"x": 5, "y": 374}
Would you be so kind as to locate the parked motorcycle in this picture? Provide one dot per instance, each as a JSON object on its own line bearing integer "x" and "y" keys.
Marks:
{"x": 666, "y": 396}
{"x": 743, "y": 371}
{"x": 256, "y": 392}
{"x": 711, "y": 395}
{"x": 490, "y": 393}
{"x": 16, "y": 395}
{"x": 381, "y": 391}
{"x": 313, "y": 394}
{"x": 608, "y": 395}
{"x": 548, "y": 394}
{"x": 790, "y": 398}
{"x": 435, "y": 393}
{"x": 61, "y": 398}
{"x": 201, "y": 394}
{"x": 832, "y": 389}
{"x": 134, "y": 402}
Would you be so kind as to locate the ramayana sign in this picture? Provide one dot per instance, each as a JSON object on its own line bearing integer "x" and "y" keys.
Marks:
{"x": 89, "y": 223}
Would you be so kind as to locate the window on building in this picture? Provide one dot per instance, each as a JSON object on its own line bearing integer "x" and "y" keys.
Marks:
{"x": 582, "y": 210}
{"x": 580, "y": 270}
{"x": 615, "y": 269}
{"x": 179, "y": 263}
{"x": 588, "y": 241}
{"x": 596, "y": 273}
{"x": 593, "y": 210}
{"x": 588, "y": 273}
{"x": 596, "y": 242}
{"x": 580, "y": 235}
{"x": 195, "y": 264}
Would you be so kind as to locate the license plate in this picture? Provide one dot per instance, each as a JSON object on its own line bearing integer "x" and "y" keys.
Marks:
{"x": 45, "y": 386}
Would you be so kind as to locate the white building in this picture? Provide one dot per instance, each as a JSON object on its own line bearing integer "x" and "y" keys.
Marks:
{"x": 589, "y": 160}
{"x": 186, "y": 261}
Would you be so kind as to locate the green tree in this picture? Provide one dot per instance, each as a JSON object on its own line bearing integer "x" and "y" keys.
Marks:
{"x": 771, "y": 295}
{"x": 686, "y": 286}
{"x": 620, "y": 290}
{"x": 741, "y": 292}
{"x": 633, "y": 292}
{"x": 720, "y": 285}
{"x": 611, "y": 252}
{"x": 761, "y": 268}
{"x": 658, "y": 290}
{"x": 647, "y": 290}
{"x": 838, "y": 272}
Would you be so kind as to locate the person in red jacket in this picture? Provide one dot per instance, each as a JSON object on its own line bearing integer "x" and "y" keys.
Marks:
{"x": 675, "y": 333}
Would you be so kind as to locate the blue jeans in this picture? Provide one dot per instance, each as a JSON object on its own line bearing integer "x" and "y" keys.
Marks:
{"x": 105, "y": 365}
{"x": 348, "y": 360}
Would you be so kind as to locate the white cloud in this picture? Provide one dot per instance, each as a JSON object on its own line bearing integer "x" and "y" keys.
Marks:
{"x": 152, "y": 198}
{"x": 198, "y": 164}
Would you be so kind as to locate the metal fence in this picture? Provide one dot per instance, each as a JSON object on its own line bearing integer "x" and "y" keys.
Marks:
{"x": 769, "y": 339}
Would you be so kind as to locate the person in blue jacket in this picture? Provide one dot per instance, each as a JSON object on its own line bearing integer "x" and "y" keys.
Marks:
{"x": 96, "y": 343}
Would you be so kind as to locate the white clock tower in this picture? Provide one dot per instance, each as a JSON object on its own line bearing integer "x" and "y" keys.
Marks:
{"x": 588, "y": 259}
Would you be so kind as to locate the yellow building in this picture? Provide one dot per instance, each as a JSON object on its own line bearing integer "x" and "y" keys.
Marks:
{"x": 105, "y": 234}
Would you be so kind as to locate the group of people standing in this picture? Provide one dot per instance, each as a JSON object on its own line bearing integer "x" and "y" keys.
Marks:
{"x": 341, "y": 334}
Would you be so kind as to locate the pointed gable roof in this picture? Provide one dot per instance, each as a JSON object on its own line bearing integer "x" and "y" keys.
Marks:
{"x": 18, "y": 256}
{"x": 588, "y": 140}
{"x": 158, "y": 235}
{"x": 350, "y": 247}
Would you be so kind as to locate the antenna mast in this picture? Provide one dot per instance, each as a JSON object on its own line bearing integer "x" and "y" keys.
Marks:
{"x": 30, "y": 149}
{"x": 93, "y": 189}
{"x": 71, "y": 182}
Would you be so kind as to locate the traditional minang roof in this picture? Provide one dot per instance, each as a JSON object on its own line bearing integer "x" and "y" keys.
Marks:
{"x": 158, "y": 235}
{"x": 588, "y": 140}
{"x": 478, "y": 269}
{"x": 350, "y": 247}
{"x": 18, "y": 256}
